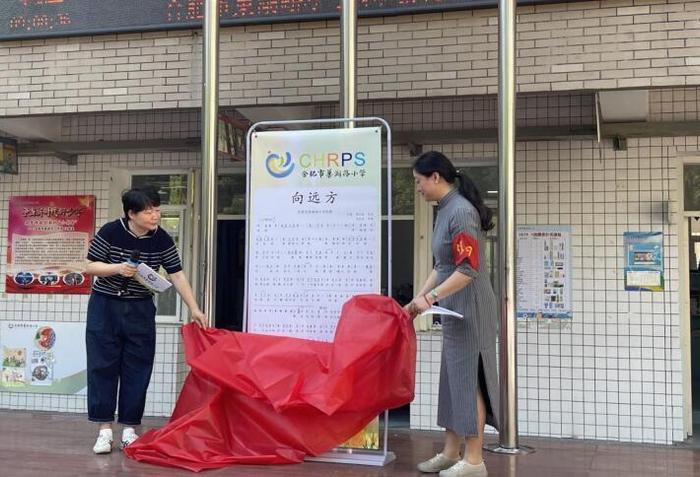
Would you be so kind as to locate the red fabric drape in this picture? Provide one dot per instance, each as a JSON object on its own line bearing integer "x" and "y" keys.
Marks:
{"x": 259, "y": 399}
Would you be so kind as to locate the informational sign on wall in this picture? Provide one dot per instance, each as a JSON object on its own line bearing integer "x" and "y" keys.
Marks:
{"x": 40, "y": 357}
{"x": 544, "y": 273}
{"x": 644, "y": 261}
{"x": 314, "y": 228}
{"x": 48, "y": 240}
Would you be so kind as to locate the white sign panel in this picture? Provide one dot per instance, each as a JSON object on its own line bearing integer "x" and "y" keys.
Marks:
{"x": 314, "y": 233}
{"x": 544, "y": 272}
{"x": 42, "y": 357}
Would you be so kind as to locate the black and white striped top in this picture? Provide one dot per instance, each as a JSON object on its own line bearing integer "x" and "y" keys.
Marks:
{"x": 114, "y": 243}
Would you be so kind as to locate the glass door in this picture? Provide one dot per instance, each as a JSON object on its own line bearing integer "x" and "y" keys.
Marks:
{"x": 691, "y": 207}
{"x": 173, "y": 191}
{"x": 230, "y": 249}
{"x": 168, "y": 307}
{"x": 402, "y": 223}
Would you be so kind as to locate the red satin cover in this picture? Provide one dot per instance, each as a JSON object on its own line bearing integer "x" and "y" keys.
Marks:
{"x": 259, "y": 399}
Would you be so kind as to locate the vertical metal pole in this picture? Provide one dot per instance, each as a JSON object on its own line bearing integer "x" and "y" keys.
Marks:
{"x": 210, "y": 111}
{"x": 389, "y": 254}
{"x": 508, "y": 435}
{"x": 348, "y": 57}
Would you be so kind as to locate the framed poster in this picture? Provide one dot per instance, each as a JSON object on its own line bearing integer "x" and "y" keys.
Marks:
{"x": 47, "y": 243}
{"x": 644, "y": 261}
{"x": 543, "y": 277}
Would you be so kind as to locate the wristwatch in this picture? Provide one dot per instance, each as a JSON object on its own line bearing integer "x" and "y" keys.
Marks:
{"x": 433, "y": 294}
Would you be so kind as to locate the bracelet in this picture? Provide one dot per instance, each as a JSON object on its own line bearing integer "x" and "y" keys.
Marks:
{"x": 434, "y": 294}
{"x": 427, "y": 301}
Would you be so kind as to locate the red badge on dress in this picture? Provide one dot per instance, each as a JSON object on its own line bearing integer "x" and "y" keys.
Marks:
{"x": 465, "y": 247}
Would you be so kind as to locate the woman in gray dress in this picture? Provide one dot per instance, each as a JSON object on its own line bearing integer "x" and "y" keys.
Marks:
{"x": 468, "y": 396}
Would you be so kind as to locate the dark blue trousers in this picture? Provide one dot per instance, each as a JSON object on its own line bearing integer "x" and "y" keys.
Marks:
{"x": 121, "y": 342}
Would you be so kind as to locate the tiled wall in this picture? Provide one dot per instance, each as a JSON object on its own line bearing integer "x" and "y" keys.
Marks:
{"x": 563, "y": 46}
{"x": 613, "y": 371}
{"x": 566, "y": 108}
{"x": 674, "y": 104}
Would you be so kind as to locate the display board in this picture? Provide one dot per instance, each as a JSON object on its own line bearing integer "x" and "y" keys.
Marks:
{"x": 41, "y": 18}
{"x": 644, "y": 261}
{"x": 314, "y": 228}
{"x": 41, "y": 357}
{"x": 48, "y": 237}
{"x": 543, "y": 278}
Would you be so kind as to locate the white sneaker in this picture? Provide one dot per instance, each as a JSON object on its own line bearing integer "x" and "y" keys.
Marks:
{"x": 437, "y": 463}
{"x": 103, "y": 444}
{"x": 128, "y": 436}
{"x": 465, "y": 469}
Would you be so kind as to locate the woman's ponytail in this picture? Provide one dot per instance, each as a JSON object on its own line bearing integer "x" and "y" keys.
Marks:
{"x": 471, "y": 193}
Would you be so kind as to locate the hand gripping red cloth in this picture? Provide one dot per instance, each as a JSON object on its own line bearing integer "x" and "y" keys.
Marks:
{"x": 259, "y": 399}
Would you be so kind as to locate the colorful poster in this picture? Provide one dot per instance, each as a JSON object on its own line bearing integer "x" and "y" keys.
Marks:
{"x": 42, "y": 357}
{"x": 644, "y": 261}
{"x": 314, "y": 228}
{"x": 543, "y": 277}
{"x": 48, "y": 240}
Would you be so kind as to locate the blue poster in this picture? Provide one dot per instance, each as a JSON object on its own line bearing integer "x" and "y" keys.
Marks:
{"x": 644, "y": 261}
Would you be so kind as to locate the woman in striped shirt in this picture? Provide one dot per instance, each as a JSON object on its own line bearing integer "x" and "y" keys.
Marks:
{"x": 468, "y": 396}
{"x": 121, "y": 330}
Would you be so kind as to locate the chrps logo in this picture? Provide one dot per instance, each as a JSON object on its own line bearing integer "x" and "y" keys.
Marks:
{"x": 279, "y": 166}
{"x": 282, "y": 165}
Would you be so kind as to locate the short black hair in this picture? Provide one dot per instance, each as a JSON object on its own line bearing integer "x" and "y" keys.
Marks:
{"x": 138, "y": 199}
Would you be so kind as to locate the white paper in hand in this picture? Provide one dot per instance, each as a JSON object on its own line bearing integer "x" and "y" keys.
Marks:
{"x": 438, "y": 310}
{"x": 151, "y": 279}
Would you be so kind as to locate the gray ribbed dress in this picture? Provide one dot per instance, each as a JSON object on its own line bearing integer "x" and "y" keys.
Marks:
{"x": 464, "y": 341}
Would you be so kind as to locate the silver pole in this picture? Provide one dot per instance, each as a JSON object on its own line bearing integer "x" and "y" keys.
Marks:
{"x": 210, "y": 111}
{"x": 348, "y": 56}
{"x": 508, "y": 435}
{"x": 389, "y": 257}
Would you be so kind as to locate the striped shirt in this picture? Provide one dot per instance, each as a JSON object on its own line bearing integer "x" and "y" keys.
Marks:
{"x": 114, "y": 243}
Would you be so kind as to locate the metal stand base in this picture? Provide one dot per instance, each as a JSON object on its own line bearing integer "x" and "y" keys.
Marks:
{"x": 497, "y": 449}
{"x": 353, "y": 456}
